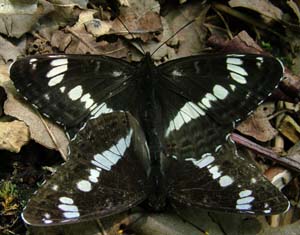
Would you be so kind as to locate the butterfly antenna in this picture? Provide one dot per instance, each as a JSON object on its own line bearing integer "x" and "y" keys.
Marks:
{"x": 181, "y": 28}
{"x": 132, "y": 35}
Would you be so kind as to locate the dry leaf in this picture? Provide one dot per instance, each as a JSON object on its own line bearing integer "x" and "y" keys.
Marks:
{"x": 290, "y": 129}
{"x": 41, "y": 130}
{"x": 141, "y": 26}
{"x": 291, "y": 84}
{"x": 13, "y": 135}
{"x": 97, "y": 27}
{"x": 295, "y": 8}
{"x": 264, "y": 7}
{"x": 258, "y": 125}
{"x": 241, "y": 43}
{"x": 18, "y": 17}
{"x": 191, "y": 39}
{"x": 8, "y": 51}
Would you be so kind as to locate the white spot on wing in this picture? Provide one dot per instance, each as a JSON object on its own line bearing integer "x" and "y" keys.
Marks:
{"x": 236, "y": 61}
{"x": 206, "y": 100}
{"x": 93, "y": 106}
{"x": 185, "y": 117}
{"x": 243, "y": 206}
{"x": 197, "y": 109}
{"x": 62, "y": 89}
{"x": 87, "y": 100}
{"x": 233, "y": 87}
{"x": 58, "y": 62}
{"x": 237, "y": 69}
{"x": 105, "y": 163}
{"x": 32, "y": 60}
{"x": 101, "y": 109}
{"x": 191, "y": 109}
{"x": 253, "y": 180}
{"x": 84, "y": 186}
{"x": 114, "y": 158}
{"x": 117, "y": 73}
{"x": 178, "y": 121}
{"x": 69, "y": 208}
{"x": 55, "y": 187}
{"x": 235, "y": 55}
{"x": 177, "y": 73}
{"x": 56, "y": 80}
{"x": 75, "y": 93}
{"x": 128, "y": 138}
{"x": 66, "y": 200}
{"x": 94, "y": 174}
{"x": 245, "y": 200}
{"x": 220, "y": 92}
{"x": 268, "y": 211}
{"x": 70, "y": 215}
{"x": 57, "y": 70}
{"x": 170, "y": 128}
{"x": 47, "y": 221}
{"x": 238, "y": 78}
{"x": 225, "y": 181}
{"x": 188, "y": 112}
{"x": 215, "y": 171}
{"x": 204, "y": 161}
{"x": 245, "y": 193}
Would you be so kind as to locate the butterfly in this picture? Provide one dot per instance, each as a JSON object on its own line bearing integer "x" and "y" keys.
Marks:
{"x": 141, "y": 132}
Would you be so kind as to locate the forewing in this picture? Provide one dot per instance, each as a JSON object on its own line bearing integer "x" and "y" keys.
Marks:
{"x": 106, "y": 174}
{"x": 201, "y": 98}
{"x": 224, "y": 181}
{"x": 225, "y": 87}
{"x": 72, "y": 88}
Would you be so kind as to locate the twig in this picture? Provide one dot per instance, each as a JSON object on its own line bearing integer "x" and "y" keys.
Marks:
{"x": 268, "y": 153}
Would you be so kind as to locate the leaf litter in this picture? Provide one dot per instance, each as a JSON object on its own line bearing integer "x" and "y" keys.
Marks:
{"x": 88, "y": 27}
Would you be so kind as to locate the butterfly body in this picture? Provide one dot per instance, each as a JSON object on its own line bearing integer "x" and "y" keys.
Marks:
{"x": 146, "y": 132}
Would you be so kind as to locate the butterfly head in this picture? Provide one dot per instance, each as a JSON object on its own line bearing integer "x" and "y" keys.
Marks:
{"x": 147, "y": 60}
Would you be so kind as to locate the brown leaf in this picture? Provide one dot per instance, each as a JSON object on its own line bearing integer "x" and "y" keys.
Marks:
{"x": 142, "y": 26}
{"x": 295, "y": 8}
{"x": 97, "y": 27}
{"x": 264, "y": 7}
{"x": 291, "y": 85}
{"x": 191, "y": 39}
{"x": 18, "y": 17}
{"x": 289, "y": 128}
{"x": 81, "y": 38}
{"x": 8, "y": 51}
{"x": 241, "y": 43}
{"x": 41, "y": 130}
{"x": 258, "y": 125}
{"x": 13, "y": 135}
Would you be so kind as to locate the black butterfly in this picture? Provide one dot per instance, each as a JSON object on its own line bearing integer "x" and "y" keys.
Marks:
{"x": 145, "y": 132}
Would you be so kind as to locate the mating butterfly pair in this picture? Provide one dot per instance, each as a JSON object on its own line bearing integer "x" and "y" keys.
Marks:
{"x": 145, "y": 132}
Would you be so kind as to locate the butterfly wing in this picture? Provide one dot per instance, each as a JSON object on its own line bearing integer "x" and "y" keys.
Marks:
{"x": 72, "y": 88}
{"x": 97, "y": 180}
{"x": 224, "y": 87}
{"x": 225, "y": 180}
{"x": 202, "y": 98}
